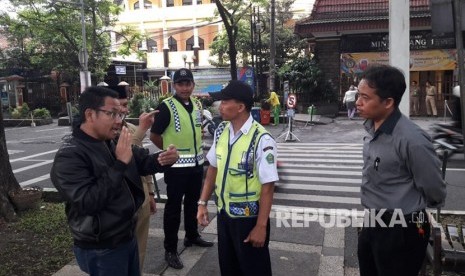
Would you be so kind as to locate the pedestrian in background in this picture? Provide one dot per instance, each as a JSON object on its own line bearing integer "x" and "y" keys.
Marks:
{"x": 242, "y": 172}
{"x": 101, "y": 185}
{"x": 414, "y": 99}
{"x": 349, "y": 101}
{"x": 149, "y": 206}
{"x": 276, "y": 106}
{"x": 401, "y": 173}
{"x": 179, "y": 122}
{"x": 430, "y": 99}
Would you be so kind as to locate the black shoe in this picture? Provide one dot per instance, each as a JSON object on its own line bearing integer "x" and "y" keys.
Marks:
{"x": 173, "y": 260}
{"x": 197, "y": 241}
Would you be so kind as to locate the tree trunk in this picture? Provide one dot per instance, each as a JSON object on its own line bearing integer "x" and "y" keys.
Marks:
{"x": 8, "y": 181}
{"x": 231, "y": 29}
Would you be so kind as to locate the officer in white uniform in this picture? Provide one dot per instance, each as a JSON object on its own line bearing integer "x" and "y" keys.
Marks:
{"x": 242, "y": 172}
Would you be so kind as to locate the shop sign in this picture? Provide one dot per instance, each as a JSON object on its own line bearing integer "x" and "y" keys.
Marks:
{"x": 432, "y": 60}
{"x": 380, "y": 42}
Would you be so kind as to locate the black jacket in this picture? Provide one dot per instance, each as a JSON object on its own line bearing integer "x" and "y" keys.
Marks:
{"x": 102, "y": 194}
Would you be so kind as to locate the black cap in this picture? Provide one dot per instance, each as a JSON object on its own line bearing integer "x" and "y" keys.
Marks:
{"x": 236, "y": 90}
{"x": 183, "y": 74}
{"x": 121, "y": 90}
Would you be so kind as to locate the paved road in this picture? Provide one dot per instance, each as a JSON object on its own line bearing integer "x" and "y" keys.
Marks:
{"x": 313, "y": 174}
{"x": 321, "y": 173}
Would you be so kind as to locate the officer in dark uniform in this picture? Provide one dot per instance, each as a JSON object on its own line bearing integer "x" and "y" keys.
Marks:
{"x": 179, "y": 122}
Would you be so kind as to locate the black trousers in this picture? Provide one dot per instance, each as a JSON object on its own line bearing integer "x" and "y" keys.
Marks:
{"x": 392, "y": 251}
{"x": 236, "y": 257}
{"x": 181, "y": 183}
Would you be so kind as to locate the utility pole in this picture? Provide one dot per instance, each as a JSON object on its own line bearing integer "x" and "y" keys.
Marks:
{"x": 258, "y": 52}
{"x": 252, "y": 47}
{"x": 457, "y": 14}
{"x": 272, "y": 45}
{"x": 399, "y": 44}
{"x": 83, "y": 55}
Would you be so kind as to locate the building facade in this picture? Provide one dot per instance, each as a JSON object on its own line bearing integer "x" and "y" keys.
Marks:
{"x": 178, "y": 34}
{"x": 346, "y": 36}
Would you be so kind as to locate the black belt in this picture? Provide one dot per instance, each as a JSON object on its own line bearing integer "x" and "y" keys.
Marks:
{"x": 414, "y": 217}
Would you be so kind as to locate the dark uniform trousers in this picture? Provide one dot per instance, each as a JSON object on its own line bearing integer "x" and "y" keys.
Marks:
{"x": 187, "y": 183}
{"x": 393, "y": 251}
{"x": 236, "y": 257}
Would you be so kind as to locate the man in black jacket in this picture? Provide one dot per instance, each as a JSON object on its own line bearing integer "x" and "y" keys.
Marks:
{"x": 101, "y": 185}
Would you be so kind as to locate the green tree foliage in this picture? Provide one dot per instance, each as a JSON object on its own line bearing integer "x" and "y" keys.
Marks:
{"x": 139, "y": 104}
{"x": 288, "y": 45}
{"x": 220, "y": 46}
{"x": 47, "y": 35}
{"x": 232, "y": 12}
{"x": 306, "y": 78}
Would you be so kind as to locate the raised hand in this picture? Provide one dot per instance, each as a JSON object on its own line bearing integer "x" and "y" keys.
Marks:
{"x": 146, "y": 120}
{"x": 123, "y": 149}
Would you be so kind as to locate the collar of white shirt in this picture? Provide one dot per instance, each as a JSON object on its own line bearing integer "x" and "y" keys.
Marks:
{"x": 244, "y": 129}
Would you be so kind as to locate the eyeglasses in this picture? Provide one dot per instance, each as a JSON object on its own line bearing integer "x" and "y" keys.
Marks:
{"x": 113, "y": 114}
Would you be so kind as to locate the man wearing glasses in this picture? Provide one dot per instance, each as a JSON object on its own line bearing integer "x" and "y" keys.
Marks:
{"x": 101, "y": 185}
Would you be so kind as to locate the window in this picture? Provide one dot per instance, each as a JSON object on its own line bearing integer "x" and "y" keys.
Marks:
{"x": 170, "y": 3}
{"x": 186, "y": 2}
{"x": 147, "y": 5}
{"x": 172, "y": 44}
{"x": 190, "y": 44}
{"x": 152, "y": 45}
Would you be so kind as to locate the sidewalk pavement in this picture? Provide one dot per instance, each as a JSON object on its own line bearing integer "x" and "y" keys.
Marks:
{"x": 307, "y": 250}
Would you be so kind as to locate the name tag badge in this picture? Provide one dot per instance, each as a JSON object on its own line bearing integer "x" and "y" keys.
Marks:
{"x": 198, "y": 118}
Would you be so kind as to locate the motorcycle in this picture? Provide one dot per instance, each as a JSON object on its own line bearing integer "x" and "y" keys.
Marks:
{"x": 447, "y": 138}
{"x": 210, "y": 122}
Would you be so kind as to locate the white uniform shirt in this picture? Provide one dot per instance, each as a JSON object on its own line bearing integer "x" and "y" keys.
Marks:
{"x": 267, "y": 172}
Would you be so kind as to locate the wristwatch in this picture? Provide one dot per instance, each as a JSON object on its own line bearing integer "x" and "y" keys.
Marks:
{"x": 202, "y": 202}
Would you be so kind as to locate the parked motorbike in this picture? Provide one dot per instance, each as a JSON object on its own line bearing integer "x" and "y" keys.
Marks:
{"x": 210, "y": 122}
{"x": 447, "y": 138}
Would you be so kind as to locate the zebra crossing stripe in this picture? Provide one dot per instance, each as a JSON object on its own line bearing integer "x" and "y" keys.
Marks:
{"x": 335, "y": 155}
{"x": 310, "y": 187}
{"x": 288, "y": 171}
{"x": 316, "y": 160}
{"x": 320, "y": 166}
{"x": 287, "y": 178}
{"x": 318, "y": 198}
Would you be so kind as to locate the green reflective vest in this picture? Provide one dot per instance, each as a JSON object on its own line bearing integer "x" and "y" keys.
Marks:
{"x": 184, "y": 131}
{"x": 238, "y": 188}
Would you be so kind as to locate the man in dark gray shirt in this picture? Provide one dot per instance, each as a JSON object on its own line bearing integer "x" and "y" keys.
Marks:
{"x": 401, "y": 177}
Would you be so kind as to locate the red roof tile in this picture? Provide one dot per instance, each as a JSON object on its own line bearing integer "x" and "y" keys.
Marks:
{"x": 338, "y": 15}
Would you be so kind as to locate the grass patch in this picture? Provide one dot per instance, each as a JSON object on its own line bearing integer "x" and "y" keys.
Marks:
{"x": 38, "y": 244}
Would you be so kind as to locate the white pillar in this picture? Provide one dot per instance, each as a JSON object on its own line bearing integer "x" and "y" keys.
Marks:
{"x": 399, "y": 44}
{"x": 126, "y": 5}
{"x": 196, "y": 37}
{"x": 113, "y": 42}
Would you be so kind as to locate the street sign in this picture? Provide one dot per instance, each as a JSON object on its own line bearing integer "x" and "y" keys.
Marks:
{"x": 286, "y": 86}
{"x": 291, "y": 101}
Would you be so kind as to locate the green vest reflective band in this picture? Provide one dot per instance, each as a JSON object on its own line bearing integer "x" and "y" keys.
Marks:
{"x": 185, "y": 132}
{"x": 238, "y": 188}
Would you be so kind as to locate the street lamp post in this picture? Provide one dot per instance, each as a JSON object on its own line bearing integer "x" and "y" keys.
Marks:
{"x": 188, "y": 62}
{"x": 83, "y": 55}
